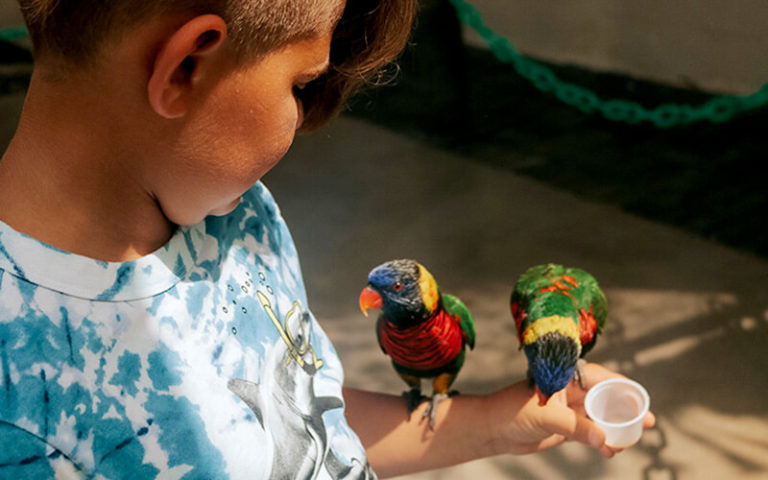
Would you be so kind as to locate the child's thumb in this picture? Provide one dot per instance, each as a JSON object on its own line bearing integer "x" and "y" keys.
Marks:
{"x": 566, "y": 422}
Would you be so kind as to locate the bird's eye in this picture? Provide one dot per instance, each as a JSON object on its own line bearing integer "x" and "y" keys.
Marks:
{"x": 397, "y": 286}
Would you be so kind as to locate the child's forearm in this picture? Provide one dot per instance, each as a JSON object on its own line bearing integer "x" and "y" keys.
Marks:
{"x": 397, "y": 445}
{"x": 469, "y": 427}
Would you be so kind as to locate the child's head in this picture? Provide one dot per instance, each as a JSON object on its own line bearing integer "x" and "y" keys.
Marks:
{"x": 369, "y": 34}
{"x": 189, "y": 102}
{"x": 198, "y": 99}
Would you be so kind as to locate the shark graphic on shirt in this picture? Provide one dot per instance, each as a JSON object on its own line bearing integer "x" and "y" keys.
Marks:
{"x": 287, "y": 407}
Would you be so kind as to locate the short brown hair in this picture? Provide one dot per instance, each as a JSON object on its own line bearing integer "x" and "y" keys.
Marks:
{"x": 369, "y": 35}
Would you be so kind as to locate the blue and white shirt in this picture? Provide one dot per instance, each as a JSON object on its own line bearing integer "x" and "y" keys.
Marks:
{"x": 200, "y": 361}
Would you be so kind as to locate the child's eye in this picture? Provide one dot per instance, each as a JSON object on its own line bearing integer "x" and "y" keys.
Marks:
{"x": 305, "y": 90}
{"x": 299, "y": 93}
{"x": 301, "y": 90}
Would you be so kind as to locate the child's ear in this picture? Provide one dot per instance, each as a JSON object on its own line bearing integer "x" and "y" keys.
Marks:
{"x": 181, "y": 63}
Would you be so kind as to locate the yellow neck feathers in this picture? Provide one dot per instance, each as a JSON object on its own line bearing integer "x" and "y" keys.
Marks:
{"x": 554, "y": 323}
{"x": 428, "y": 288}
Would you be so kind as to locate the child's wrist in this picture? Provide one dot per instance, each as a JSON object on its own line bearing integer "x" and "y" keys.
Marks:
{"x": 495, "y": 407}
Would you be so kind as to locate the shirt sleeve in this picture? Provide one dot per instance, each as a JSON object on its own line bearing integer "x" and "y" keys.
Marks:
{"x": 25, "y": 455}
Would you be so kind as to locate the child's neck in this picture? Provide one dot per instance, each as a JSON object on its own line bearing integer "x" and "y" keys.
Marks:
{"x": 67, "y": 180}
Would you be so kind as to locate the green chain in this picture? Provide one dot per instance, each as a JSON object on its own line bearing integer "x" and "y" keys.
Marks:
{"x": 718, "y": 109}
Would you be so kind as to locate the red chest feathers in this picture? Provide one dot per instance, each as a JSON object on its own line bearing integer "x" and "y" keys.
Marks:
{"x": 425, "y": 346}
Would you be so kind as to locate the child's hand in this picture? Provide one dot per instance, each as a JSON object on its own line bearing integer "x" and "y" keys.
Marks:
{"x": 533, "y": 428}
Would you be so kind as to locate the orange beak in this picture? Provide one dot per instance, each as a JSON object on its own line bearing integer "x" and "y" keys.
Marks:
{"x": 369, "y": 298}
{"x": 543, "y": 399}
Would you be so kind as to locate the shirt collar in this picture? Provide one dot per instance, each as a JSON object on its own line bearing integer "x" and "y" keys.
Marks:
{"x": 49, "y": 267}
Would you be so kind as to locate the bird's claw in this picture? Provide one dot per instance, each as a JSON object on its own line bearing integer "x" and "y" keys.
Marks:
{"x": 413, "y": 398}
{"x": 431, "y": 410}
{"x": 579, "y": 374}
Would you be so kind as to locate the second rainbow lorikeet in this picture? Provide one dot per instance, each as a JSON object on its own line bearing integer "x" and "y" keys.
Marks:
{"x": 424, "y": 331}
{"x": 558, "y": 313}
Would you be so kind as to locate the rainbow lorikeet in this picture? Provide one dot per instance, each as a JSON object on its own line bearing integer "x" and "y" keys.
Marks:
{"x": 424, "y": 331}
{"x": 558, "y": 313}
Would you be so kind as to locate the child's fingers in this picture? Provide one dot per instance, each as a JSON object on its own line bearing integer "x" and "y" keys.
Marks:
{"x": 649, "y": 420}
{"x": 566, "y": 422}
{"x": 596, "y": 373}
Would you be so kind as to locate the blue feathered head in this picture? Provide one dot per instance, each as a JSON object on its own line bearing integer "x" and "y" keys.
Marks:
{"x": 404, "y": 290}
{"x": 551, "y": 362}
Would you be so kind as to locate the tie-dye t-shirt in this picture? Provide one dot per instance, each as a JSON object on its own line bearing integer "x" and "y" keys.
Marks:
{"x": 200, "y": 361}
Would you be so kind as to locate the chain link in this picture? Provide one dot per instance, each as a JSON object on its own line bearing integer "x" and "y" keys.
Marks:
{"x": 718, "y": 109}
{"x": 11, "y": 34}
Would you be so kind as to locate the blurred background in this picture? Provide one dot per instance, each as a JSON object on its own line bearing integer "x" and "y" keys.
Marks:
{"x": 624, "y": 138}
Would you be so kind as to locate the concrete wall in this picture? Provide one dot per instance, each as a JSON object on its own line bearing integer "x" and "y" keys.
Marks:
{"x": 9, "y": 14}
{"x": 715, "y": 45}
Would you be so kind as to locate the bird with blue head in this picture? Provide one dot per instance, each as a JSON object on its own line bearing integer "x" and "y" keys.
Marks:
{"x": 425, "y": 332}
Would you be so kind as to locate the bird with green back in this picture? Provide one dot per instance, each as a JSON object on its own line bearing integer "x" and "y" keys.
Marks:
{"x": 559, "y": 313}
{"x": 424, "y": 331}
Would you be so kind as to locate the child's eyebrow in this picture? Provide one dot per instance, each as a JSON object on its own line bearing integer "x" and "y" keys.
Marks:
{"x": 321, "y": 69}
{"x": 315, "y": 72}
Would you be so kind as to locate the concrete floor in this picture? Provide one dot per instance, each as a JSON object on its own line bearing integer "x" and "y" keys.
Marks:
{"x": 688, "y": 318}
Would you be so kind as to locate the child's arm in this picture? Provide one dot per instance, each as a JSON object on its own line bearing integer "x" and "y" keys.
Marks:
{"x": 469, "y": 427}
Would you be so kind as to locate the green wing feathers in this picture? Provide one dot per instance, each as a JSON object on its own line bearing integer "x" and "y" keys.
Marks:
{"x": 551, "y": 289}
{"x": 454, "y": 306}
{"x": 589, "y": 295}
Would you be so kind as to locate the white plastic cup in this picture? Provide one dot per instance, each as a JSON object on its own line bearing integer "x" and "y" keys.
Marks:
{"x": 618, "y": 406}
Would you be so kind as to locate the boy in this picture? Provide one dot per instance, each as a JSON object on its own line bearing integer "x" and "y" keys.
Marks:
{"x": 153, "y": 319}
